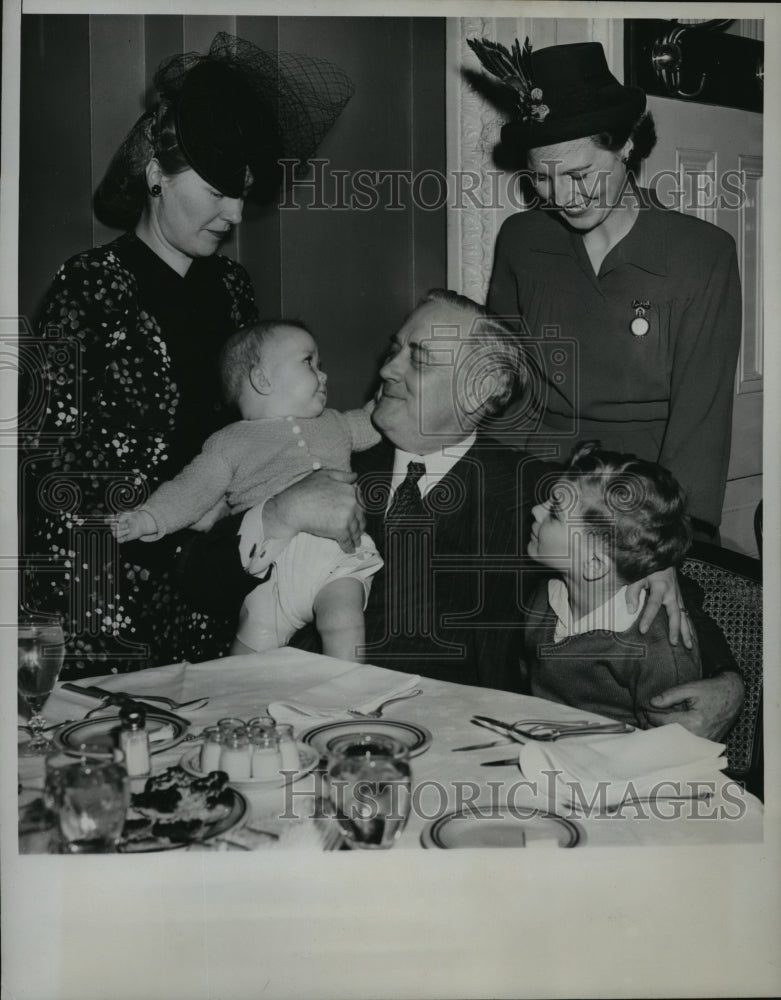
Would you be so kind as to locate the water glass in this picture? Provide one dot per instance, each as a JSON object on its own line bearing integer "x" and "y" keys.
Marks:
{"x": 91, "y": 798}
{"x": 370, "y": 781}
{"x": 41, "y": 650}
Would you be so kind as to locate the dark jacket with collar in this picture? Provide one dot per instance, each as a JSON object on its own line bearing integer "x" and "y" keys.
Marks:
{"x": 456, "y": 609}
{"x": 665, "y": 396}
{"x": 449, "y": 602}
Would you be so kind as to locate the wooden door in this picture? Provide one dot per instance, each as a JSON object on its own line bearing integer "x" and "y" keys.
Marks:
{"x": 713, "y": 157}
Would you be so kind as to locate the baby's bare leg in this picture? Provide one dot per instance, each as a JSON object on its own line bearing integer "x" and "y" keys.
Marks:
{"x": 339, "y": 618}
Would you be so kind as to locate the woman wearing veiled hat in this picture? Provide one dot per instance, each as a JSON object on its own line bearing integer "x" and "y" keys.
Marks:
{"x": 650, "y": 297}
{"x": 148, "y": 314}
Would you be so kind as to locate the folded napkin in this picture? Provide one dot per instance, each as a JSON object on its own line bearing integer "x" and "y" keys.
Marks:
{"x": 600, "y": 773}
{"x": 166, "y": 681}
{"x": 362, "y": 689}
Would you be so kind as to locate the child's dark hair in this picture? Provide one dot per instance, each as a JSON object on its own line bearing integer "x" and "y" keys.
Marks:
{"x": 244, "y": 349}
{"x": 640, "y": 500}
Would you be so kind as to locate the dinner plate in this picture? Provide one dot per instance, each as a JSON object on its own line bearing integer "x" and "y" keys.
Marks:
{"x": 500, "y": 826}
{"x": 100, "y": 734}
{"x": 308, "y": 755}
{"x": 237, "y": 813}
{"x": 324, "y": 737}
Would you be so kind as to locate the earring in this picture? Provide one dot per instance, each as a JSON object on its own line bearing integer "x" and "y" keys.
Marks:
{"x": 155, "y": 190}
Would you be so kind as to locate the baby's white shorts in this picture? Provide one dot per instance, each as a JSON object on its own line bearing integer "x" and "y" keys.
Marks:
{"x": 275, "y": 610}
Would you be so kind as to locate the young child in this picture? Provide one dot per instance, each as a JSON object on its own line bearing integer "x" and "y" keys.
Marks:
{"x": 271, "y": 373}
{"x": 611, "y": 519}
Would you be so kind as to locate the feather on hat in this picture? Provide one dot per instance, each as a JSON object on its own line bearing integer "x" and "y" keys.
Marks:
{"x": 559, "y": 93}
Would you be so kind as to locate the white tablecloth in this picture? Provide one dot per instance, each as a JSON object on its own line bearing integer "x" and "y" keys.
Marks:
{"x": 244, "y": 685}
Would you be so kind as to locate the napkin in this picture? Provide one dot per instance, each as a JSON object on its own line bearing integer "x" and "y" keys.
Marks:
{"x": 604, "y": 772}
{"x": 165, "y": 681}
{"x": 362, "y": 688}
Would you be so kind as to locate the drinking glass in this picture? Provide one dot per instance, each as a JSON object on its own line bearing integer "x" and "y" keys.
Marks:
{"x": 91, "y": 799}
{"x": 41, "y": 649}
{"x": 370, "y": 780}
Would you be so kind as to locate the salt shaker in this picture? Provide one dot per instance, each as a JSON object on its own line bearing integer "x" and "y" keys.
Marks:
{"x": 134, "y": 742}
{"x": 211, "y": 750}
{"x": 287, "y": 748}
{"x": 230, "y": 725}
{"x": 235, "y": 756}
{"x": 266, "y": 759}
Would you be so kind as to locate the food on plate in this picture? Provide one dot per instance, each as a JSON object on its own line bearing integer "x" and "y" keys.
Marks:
{"x": 177, "y": 807}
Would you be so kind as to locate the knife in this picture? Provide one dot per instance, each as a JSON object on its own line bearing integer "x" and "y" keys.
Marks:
{"x": 500, "y": 763}
{"x": 125, "y": 700}
{"x": 498, "y": 727}
{"x": 482, "y": 746}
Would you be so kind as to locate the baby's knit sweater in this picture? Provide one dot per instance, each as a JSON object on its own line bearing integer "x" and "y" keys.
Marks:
{"x": 250, "y": 461}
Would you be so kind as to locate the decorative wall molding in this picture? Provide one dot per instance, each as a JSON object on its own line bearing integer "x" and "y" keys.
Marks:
{"x": 473, "y": 130}
{"x": 472, "y": 133}
{"x": 751, "y": 359}
{"x": 696, "y": 170}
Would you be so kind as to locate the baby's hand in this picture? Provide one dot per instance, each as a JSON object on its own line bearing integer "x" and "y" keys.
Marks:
{"x": 132, "y": 524}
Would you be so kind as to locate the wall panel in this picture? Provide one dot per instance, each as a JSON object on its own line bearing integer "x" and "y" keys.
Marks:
{"x": 55, "y": 207}
{"x": 348, "y": 273}
{"x": 116, "y": 92}
{"x": 352, "y": 274}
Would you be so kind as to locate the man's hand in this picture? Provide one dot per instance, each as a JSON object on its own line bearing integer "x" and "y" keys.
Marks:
{"x": 324, "y": 503}
{"x": 706, "y": 708}
{"x": 662, "y": 589}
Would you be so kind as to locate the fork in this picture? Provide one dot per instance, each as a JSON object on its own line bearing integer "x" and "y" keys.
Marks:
{"x": 376, "y": 713}
{"x": 548, "y": 732}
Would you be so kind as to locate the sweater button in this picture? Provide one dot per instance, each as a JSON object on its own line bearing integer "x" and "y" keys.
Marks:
{"x": 296, "y": 429}
{"x": 316, "y": 465}
{"x": 300, "y": 442}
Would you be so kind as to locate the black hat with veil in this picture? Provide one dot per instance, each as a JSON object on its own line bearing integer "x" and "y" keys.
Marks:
{"x": 230, "y": 115}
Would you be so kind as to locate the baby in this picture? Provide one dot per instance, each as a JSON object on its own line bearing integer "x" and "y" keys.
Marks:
{"x": 611, "y": 520}
{"x": 271, "y": 373}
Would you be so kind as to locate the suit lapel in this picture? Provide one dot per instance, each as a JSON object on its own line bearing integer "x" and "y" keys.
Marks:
{"x": 375, "y": 468}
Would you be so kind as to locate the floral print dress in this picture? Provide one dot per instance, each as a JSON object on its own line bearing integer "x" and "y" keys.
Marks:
{"x": 121, "y": 389}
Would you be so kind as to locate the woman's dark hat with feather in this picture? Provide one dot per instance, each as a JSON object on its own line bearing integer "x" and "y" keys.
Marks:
{"x": 237, "y": 108}
{"x": 559, "y": 93}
